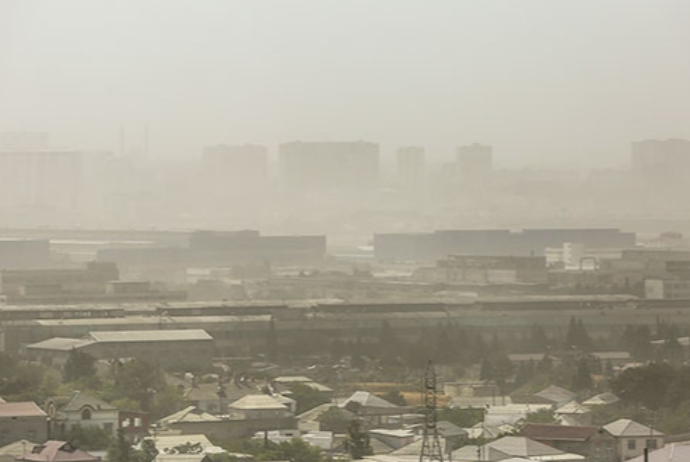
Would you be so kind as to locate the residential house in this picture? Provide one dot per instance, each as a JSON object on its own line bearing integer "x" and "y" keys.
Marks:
{"x": 215, "y": 397}
{"x": 602, "y": 399}
{"x": 556, "y": 395}
{"x": 326, "y": 417}
{"x": 512, "y": 413}
{"x": 23, "y": 420}
{"x": 612, "y": 359}
{"x": 134, "y": 424}
{"x": 592, "y": 442}
{"x": 574, "y": 413}
{"x": 471, "y": 389}
{"x": 322, "y": 440}
{"x": 676, "y": 452}
{"x": 251, "y": 414}
{"x": 58, "y": 451}
{"x": 282, "y": 385}
{"x": 480, "y": 402}
{"x": 258, "y": 407}
{"x": 171, "y": 444}
{"x": 392, "y": 438}
{"x": 514, "y": 446}
{"x": 13, "y": 451}
{"x": 376, "y": 411}
{"x": 488, "y": 432}
{"x": 81, "y": 409}
{"x": 182, "y": 458}
{"x": 633, "y": 437}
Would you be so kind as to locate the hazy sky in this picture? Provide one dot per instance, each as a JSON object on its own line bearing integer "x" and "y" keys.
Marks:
{"x": 539, "y": 79}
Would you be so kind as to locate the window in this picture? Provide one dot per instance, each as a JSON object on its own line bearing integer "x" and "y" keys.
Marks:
{"x": 86, "y": 414}
{"x": 138, "y": 422}
{"x": 632, "y": 445}
{"x": 651, "y": 443}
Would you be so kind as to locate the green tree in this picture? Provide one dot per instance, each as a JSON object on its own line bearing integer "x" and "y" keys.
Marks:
{"x": 537, "y": 341}
{"x": 88, "y": 438}
{"x": 464, "y": 418}
{"x": 138, "y": 381}
{"x": 583, "y": 377}
{"x": 272, "y": 341}
{"x": 335, "y": 420}
{"x": 20, "y": 381}
{"x": 306, "y": 397}
{"x": 646, "y": 386}
{"x": 119, "y": 449}
{"x": 542, "y": 416}
{"x": 79, "y": 365}
{"x": 357, "y": 441}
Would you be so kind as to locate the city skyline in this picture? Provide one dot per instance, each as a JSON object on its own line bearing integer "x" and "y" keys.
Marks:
{"x": 539, "y": 82}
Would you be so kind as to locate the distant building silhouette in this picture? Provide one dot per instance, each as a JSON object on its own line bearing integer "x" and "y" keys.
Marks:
{"x": 661, "y": 159}
{"x": 40, "y": 177}
{"x": 410, "y": 164}
{"x": 329, "y": 166}
{"x": 475, "y": 161}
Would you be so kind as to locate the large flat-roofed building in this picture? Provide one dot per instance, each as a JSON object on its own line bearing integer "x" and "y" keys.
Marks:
{"x": 477, "y": 269}
{"x": 27, "y": 282}
{"x": 165, "y": 347}
{"x": 226, "y": 248}
{"x": 440, "y": 244}
{"x": 24, "y": 253}
{"x": 329, "y": 166}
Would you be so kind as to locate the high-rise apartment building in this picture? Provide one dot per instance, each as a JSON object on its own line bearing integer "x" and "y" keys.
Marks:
{"x": 39, "y": 177}
{"x": 475, "y": 161}
{"x": 664, "y": 159}
{"x": 329, "y": 166}
{"x": 410, "y": 164}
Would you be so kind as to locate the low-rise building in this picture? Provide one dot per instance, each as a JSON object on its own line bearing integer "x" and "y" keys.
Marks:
{"x": 632, "y": 438}
{"x": 83, "y": 410}
{"x": 509, "y": 447}
{"x": 376, "y": 411}
{"x": 58, "y": 451}
{"x": 22, "y": 421}
{"x": 192, "y": 421}
{"x": 259, "y": 407}
{"x": 16, "y": 450}
{"x": 475, "y": 269}
{"x": 556, "y": 395}
{"x": 592, "y": 442}
{"x": 163, "y": 347}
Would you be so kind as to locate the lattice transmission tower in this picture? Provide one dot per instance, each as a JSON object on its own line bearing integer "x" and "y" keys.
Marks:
{"x": 431, "y": 444}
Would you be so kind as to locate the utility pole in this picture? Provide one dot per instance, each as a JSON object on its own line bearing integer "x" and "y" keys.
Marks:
{"x": 431, "y": 444}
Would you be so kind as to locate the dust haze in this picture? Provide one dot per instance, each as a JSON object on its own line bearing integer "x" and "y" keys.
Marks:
{"x": 250, "y": 230}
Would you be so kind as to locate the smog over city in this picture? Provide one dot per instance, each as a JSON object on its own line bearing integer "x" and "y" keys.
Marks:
{"x": 330, "y": 230}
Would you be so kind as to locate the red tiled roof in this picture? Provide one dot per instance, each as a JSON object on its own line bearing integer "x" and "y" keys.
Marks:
{"x": 545, "y": 432}
{"x": 23, "y": 409}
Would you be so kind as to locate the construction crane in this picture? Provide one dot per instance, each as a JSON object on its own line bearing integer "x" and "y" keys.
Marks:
{"x": 431, "y": 444}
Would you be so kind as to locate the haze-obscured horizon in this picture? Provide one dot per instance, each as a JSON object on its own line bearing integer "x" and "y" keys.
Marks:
{"x": 544, "y": 82}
